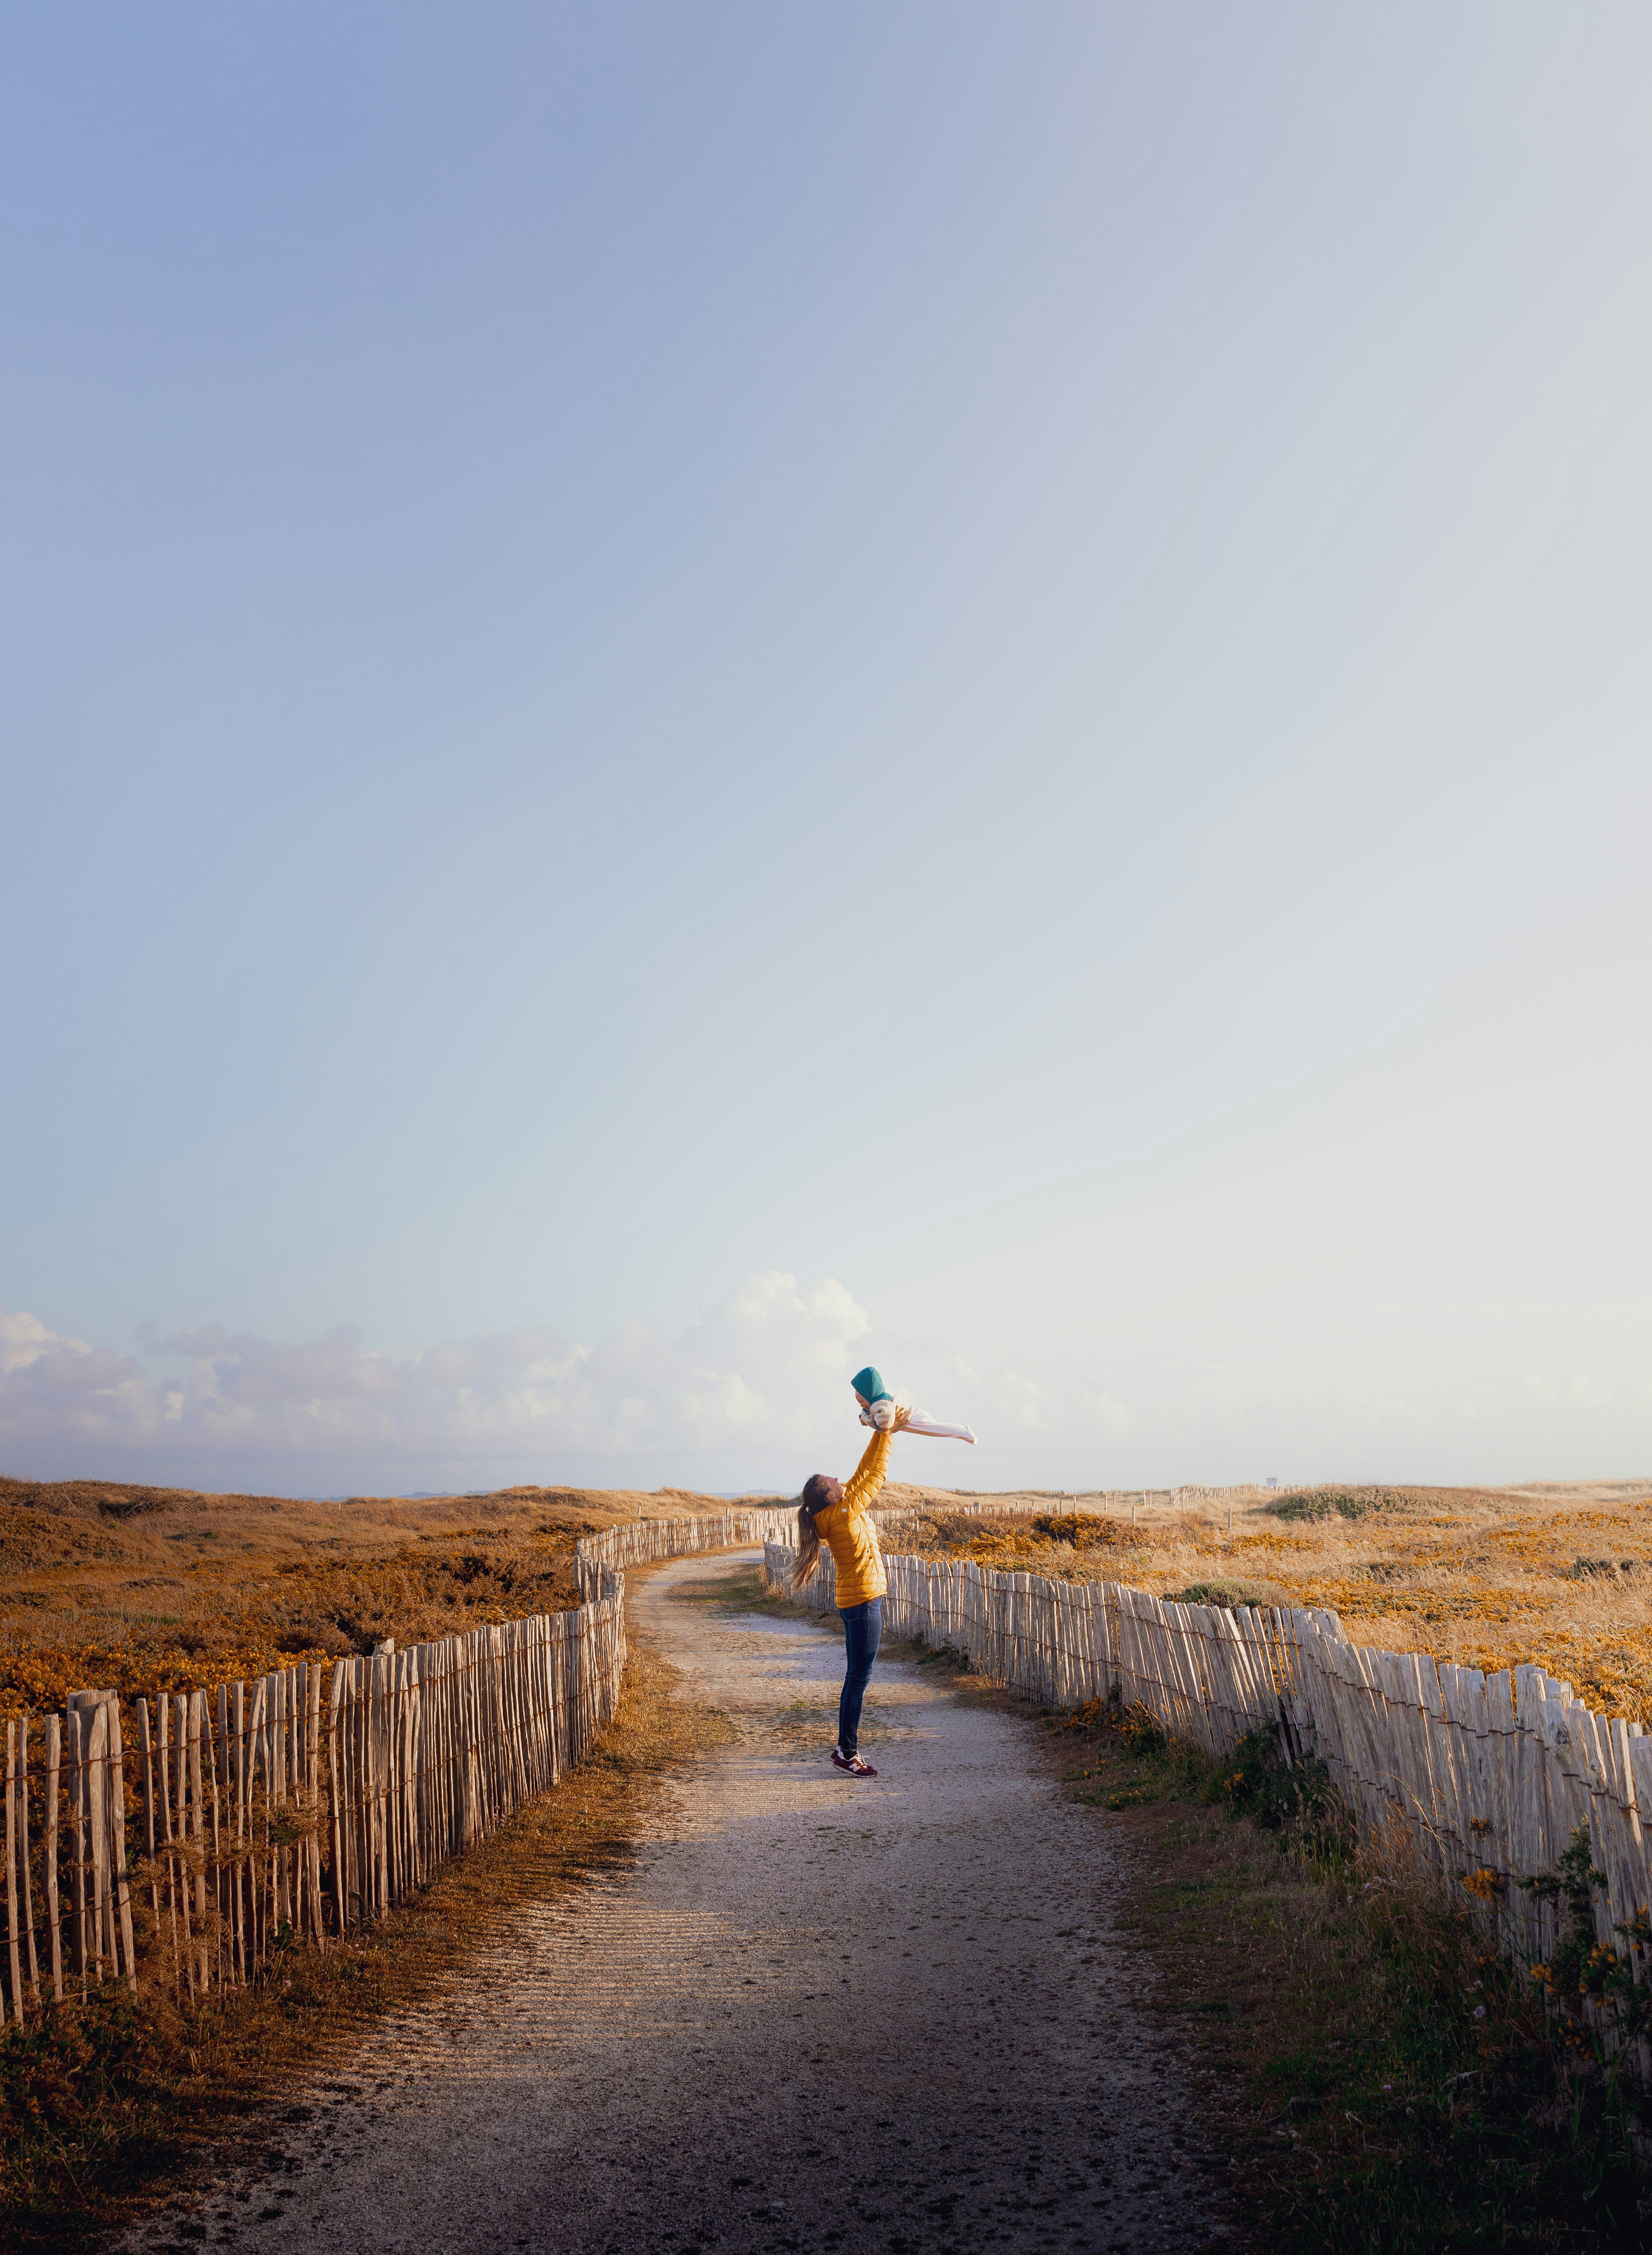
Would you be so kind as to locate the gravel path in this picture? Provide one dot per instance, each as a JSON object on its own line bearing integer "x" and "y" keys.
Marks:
{"x": 815, "y": 2014}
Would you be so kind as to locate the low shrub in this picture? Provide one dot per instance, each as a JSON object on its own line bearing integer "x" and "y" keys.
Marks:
{"x": 1224, "y": 1590}
{"x": 1135, "y": 1729}
{"x": 1295, "y": 1797}
{"x": 1090, "y": 1530}
{"x": 1338, "y": 1502}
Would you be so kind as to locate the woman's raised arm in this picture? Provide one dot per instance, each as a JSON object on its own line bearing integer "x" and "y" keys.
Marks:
{"x": 873, "y": 1471}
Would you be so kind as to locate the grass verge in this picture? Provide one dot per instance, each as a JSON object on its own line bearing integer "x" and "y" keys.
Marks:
{"x": 106, "y": 2106}
{"x": 744, "y": 1589}
{"x": 1382, "y": 2082}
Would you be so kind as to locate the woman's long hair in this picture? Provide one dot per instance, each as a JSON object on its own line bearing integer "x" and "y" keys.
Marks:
{"x": 814, "y": 1499}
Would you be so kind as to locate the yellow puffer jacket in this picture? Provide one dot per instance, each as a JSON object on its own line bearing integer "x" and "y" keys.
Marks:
{"x": 848, "y": 1533}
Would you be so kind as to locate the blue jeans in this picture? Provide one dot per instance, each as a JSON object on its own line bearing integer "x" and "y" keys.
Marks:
{"x": 862, "y": 1628}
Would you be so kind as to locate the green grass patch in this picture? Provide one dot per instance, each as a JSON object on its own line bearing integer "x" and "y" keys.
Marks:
{"x": 1386, "y": 2082}
{"x": 745, "y": 1588}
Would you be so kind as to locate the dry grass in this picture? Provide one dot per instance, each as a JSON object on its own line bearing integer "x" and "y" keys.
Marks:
{"x": 150, "y": 1589}
{"x": 1488, "y": 1577}
{"x": 1378, "y": 2079}
{"x": 108, "y": 2104}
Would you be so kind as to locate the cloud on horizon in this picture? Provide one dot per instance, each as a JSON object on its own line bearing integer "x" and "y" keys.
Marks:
{"x": 754, "y": 1394}
{"x": 762, "y": 1371}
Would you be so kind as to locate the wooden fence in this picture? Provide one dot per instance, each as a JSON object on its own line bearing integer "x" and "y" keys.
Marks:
{"x": 233, "y": 1822}
{"x": 224, "y": 1825}
{"x": 645, "y": 1541}
{"x": 77, "y": 1916}
{"x": 189, "y": 1842}
{"x": 1489, "y": 1777}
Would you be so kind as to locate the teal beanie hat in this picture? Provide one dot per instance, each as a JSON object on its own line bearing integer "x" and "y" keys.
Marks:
{"x": 869, "y": 1383}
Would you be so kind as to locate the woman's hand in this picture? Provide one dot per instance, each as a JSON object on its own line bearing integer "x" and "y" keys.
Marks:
{"x": 902, "y": 1419}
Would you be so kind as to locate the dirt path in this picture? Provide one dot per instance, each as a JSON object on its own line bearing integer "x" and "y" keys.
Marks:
{"x": 813, "y": 2014}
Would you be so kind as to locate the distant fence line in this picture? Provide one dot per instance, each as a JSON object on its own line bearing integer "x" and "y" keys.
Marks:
{"x": 645, "y": 1541}
{"x": 1489, "y": 1776}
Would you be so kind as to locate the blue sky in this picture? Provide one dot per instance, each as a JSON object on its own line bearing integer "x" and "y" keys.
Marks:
{"x": 693, "y": 695}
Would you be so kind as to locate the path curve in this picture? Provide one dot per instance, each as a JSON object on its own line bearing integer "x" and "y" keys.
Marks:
{"x": 813, "y": 2014}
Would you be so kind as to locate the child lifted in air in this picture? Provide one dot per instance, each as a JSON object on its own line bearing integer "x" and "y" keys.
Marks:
{"x": 878, "y": 1405}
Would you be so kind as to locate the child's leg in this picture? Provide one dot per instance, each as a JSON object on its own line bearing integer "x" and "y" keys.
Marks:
{"x": 919, "y": 1424}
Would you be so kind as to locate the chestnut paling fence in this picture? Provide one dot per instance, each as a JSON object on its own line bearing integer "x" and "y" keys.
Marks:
{"x": 645, "y": 1542}
{"x": 1489, "y": 1776}
{"x": 186, "y": 1841}
{"x": 189, "y": 1841}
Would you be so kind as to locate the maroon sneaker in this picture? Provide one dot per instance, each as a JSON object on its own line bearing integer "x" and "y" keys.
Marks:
{"x": 852, "y": 1763}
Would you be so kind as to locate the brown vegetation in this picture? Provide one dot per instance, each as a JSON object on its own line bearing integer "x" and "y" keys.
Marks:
{"x": 144, "y": 1591}
{"x": 150, "y": 1589}
{"x": 1485, "y": 1577}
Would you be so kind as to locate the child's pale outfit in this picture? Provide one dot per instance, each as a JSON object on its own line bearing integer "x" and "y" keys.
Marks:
{"x": 879, "y": 1405}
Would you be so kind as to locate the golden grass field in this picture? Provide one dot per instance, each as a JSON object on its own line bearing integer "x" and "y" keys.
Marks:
{"x": 144, "y": 1590}
{"x": 148, "y": 1590}
{"x": 1293, "y": 1981}
{"x": 1559, "y": 1574}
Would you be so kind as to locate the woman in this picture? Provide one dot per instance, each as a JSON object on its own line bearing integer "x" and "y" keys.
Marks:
{"x": 842, "y": 1516}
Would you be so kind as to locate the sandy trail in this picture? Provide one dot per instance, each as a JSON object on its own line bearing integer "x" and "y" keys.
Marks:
{"x": 813, "y": 2012}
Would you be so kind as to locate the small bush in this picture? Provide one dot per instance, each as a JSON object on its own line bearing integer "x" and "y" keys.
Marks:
{"x": 1295, "y": 1797}
{"x": 318, "y": 1636}
{"x": 945, "y": 1655}
{"x": 1136, "y": 1728}
{"x": 1223, "y": 1590}
{"x": 1336, "y": 1502}
{"x": 139, "y": 1503}
{"x": 1591, "y": 1987}
{"x": 1087, "y": 1530}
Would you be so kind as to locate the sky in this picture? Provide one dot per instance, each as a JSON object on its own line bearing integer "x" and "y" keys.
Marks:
{"x": 693, "y": 696}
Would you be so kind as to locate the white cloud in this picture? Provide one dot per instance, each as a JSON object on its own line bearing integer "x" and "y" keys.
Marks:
{"x": 52, "y": 1384}
{"x": 754, "y": 1392}
{"x": 24, "y": 1339}
{"x": 760, "y": 1373}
